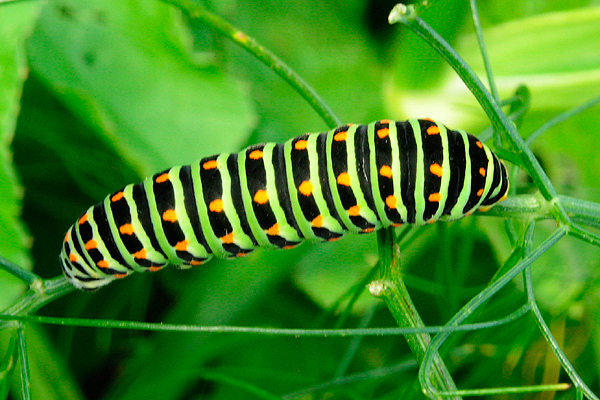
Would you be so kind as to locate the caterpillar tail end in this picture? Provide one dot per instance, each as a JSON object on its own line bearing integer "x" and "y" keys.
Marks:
{"x": 79, "y": 280}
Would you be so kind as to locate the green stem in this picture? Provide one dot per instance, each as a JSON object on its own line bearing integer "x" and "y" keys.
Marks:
{"x": 428, "y": 367}
{"x": 18, "y": 271}
{"x": 564, "y": 361}
{"x": 484, "y": 54}
{"x": 40, "y": 293}
{"x": 561, "y": 118}
{"x": 333, "y": 332}
{"x": 25, "y": 373}
{"x": 196, "y": 11}
{"x": 391, "y": 288}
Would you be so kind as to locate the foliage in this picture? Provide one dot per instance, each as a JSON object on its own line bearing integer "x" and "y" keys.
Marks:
{"x": 119, "y": 90}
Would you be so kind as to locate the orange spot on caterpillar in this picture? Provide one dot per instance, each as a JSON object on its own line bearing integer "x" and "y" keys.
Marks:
{"x": 333, "y": 239}
{"x": 289, "y": 246}
{"x": 117, "y": 196}
{"x": 196, "y": 262}
{"x": 140, "y": 255}
{"x": 67, "y": 235}
{"x": 433, "y": 130}
{"x": 306, "y": 188}
{"x": 367, "y": 230}
{"x": 317, "y": 222}
{"x": 479, "y": 144}
{"x": 397, "y": 224}
{"x": 72, "y": 257}
{"x": 354, "y": 211}
{"x": 436, "y": 169}
{"x": 102, "y": 264}
{"x": 126, "y": 229}
{"x": 182, "y": 246}
{"x": 435, "y": 197}
{"x": 155, "y": 268}
{"x": 274, "y": 230}
{"x": 391, "y": 201}
{"x": 169, "y": 216}
{"x": 216, "y": 205}
{"x": 256, "y": 155}
{"x": 301, "y": 144}
{"x": 384, "y": 121}
{"x": 482, "y": 171}
{"x": 91, "y": 244}
{"x": 162, "y": 178}
{"x": 241, "y": 254}
{"x": 212, "y": 164}
{"x": 340, "y": 136}
{"x": 479, "y": 192}
{"x": 386, "y": 171}
{"x": 428, "y": 119}
{"x": 343, "y": 179}
{"x": 227, "y": 238}
{"x": 119, "y": 276}
{"x": 261, "y": 197}
{"x": 383, "y": 132}
{"x": 83, "y": 219}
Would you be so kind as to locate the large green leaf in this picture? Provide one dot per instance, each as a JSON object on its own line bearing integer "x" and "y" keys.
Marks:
{"x": 128, "y": 69}
{"x": 16, "y": 24}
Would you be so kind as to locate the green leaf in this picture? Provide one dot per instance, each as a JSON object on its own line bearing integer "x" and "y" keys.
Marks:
{"x": 330, "y": 270}
{"x": 16, "y": 24}
{"x": 129, "y": 70}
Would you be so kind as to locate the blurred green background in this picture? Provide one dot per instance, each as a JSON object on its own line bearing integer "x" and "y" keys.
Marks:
{"x": 99, "y": 94}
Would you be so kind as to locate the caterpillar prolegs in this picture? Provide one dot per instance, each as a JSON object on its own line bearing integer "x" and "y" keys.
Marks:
{"x": 317, "y": 186}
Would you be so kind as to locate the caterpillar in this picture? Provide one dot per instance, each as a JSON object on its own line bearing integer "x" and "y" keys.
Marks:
{"x": 317, "y": 186}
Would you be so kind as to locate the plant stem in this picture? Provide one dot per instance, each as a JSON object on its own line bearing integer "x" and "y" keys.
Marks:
{"x": 390, "y": 287}
{"x": 429, "y": 365}
{"x": 484, "y": 53}
{"x": 14, "y": 269}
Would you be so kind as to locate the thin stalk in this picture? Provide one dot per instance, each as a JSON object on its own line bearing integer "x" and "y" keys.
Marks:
{"x": 584, "y": 235}
{"x": 560, "y": 118}
{"x": 40, "y": 293}
{"x": 161, "y": 327}
{"x": 250, "y": 44}
{"x": 507, "y": 390}
{"x": 25, "y": 374}
{"x": 428, "y": 366}
{"x": 393, "y": 291}
{"x": 564, "y": 361}
{"x": 14, "y": 269}
{"x": 484, "y": 54}
{"x": 518, "y": 105}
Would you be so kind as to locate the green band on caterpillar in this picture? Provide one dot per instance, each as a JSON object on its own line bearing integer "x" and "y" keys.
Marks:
{"x": 318, "y": 186}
